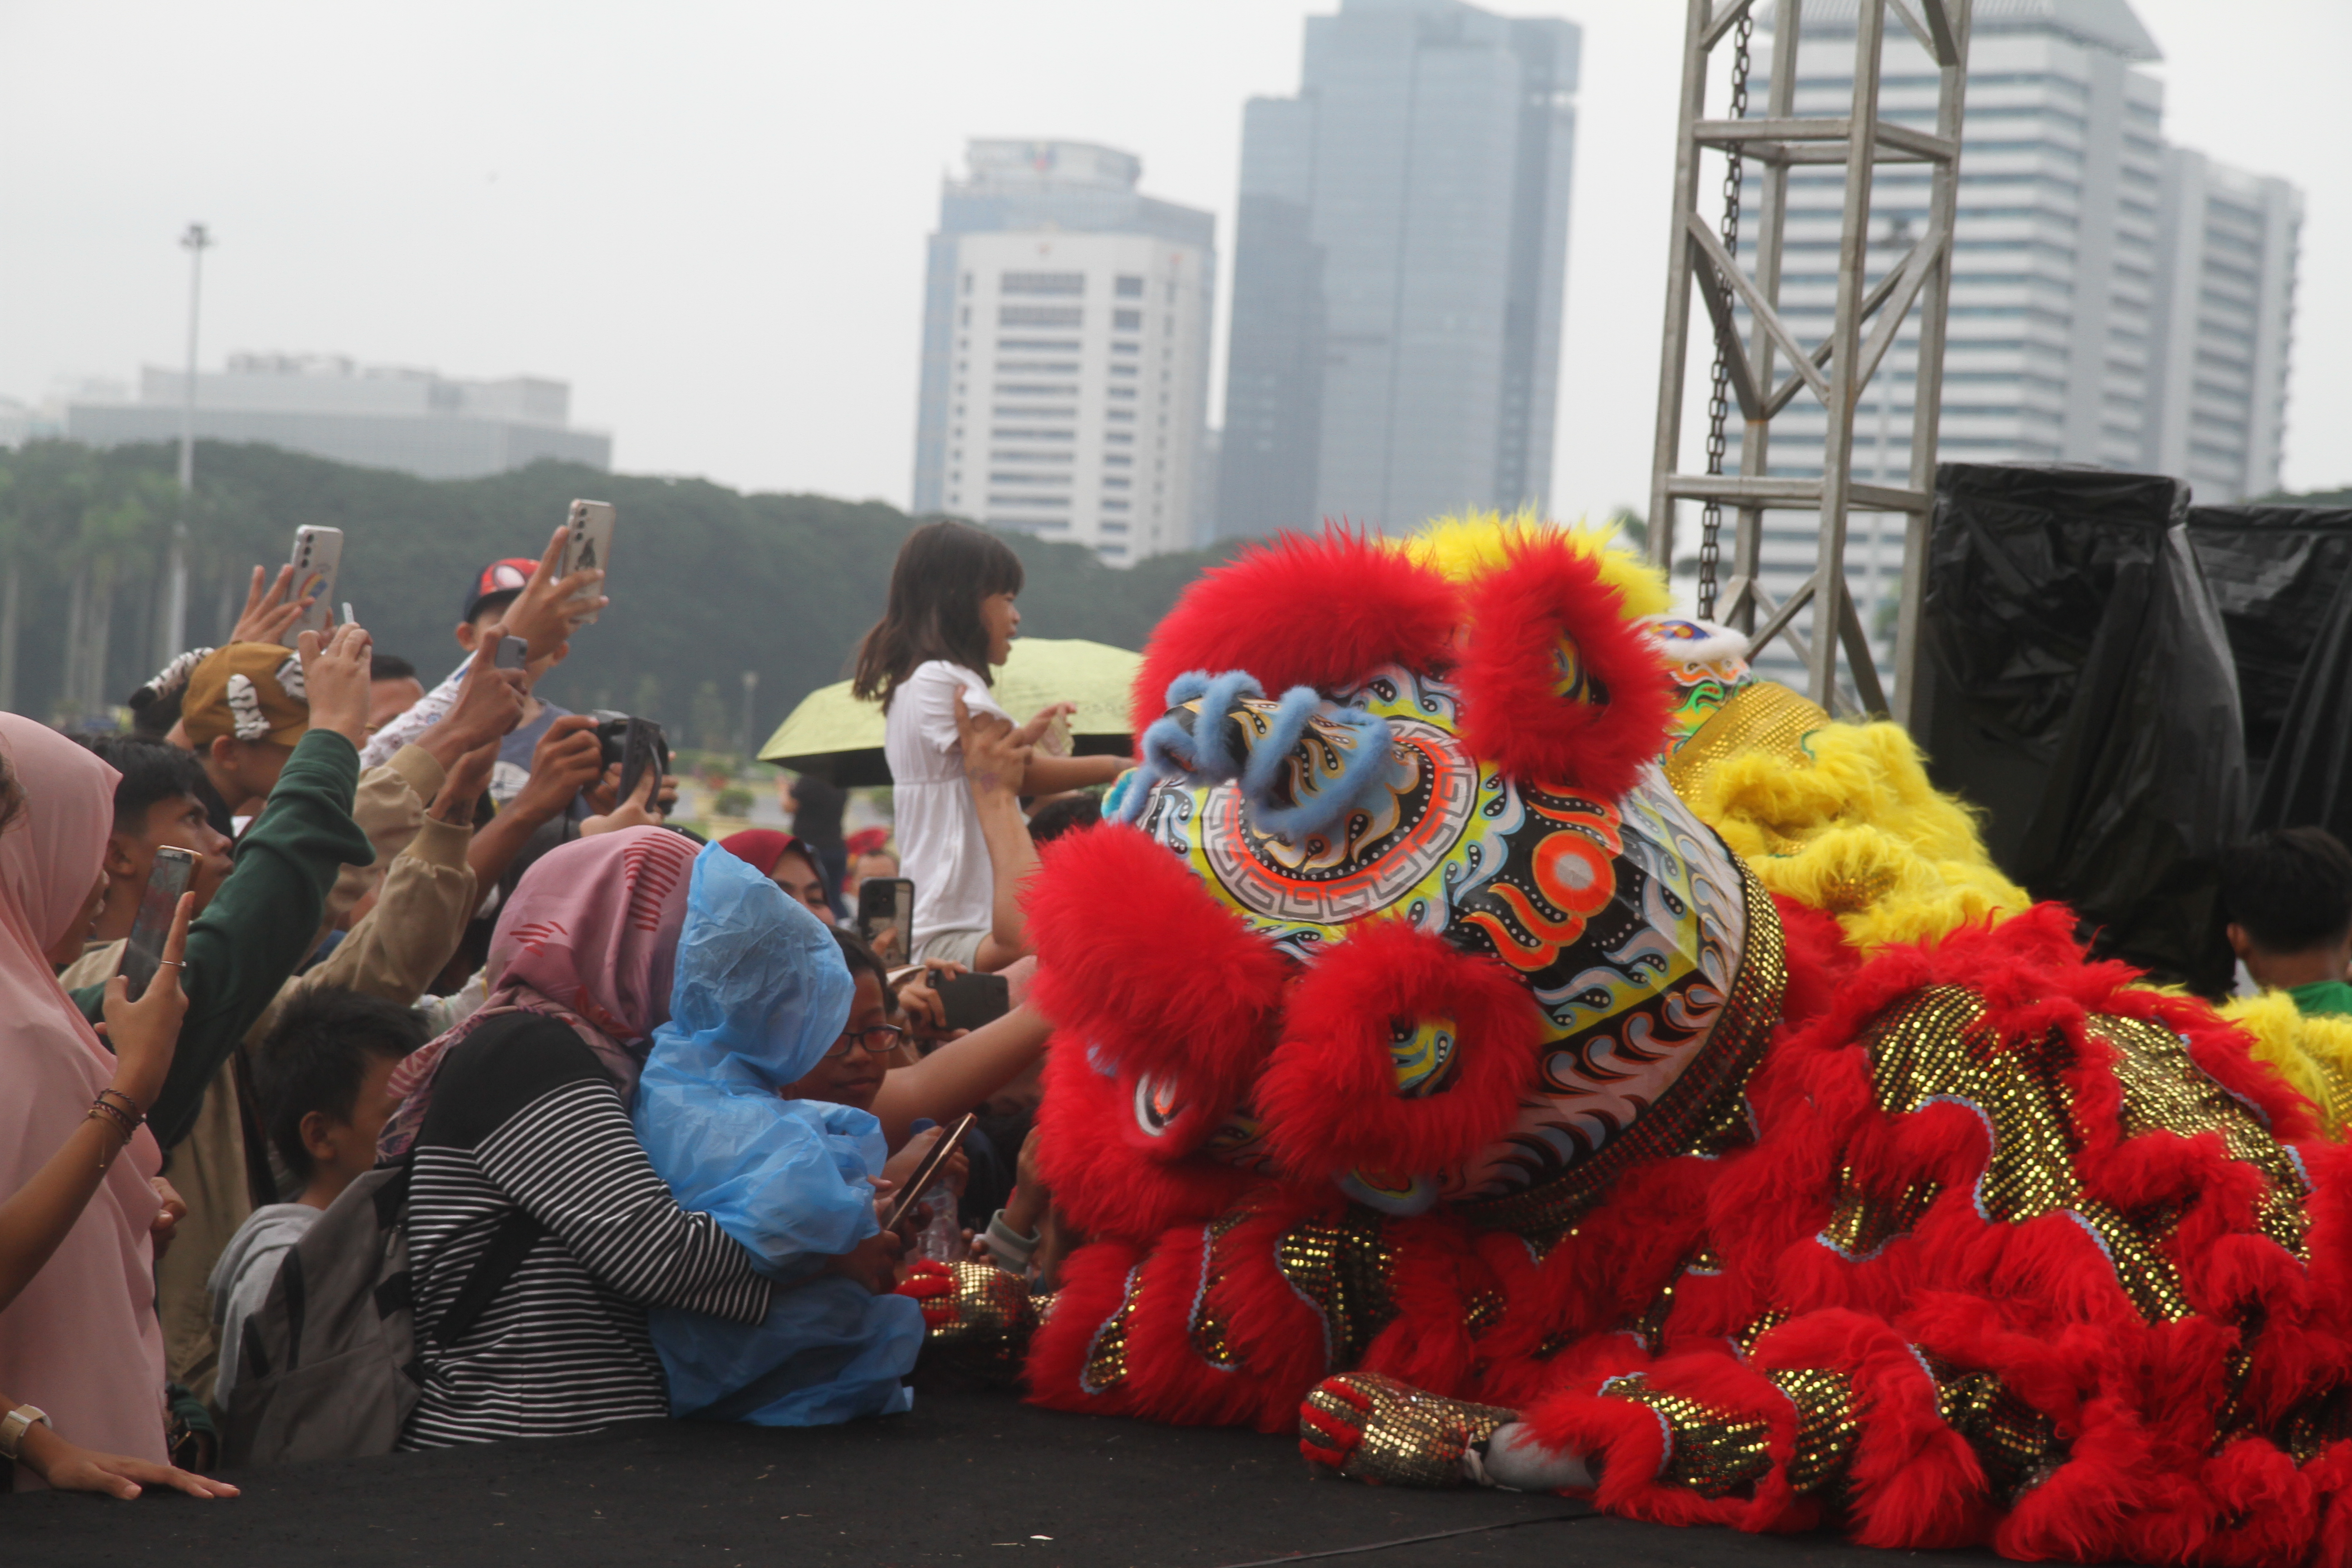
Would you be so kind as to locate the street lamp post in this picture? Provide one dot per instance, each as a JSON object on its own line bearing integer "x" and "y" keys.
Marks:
{"x": 175, "y": 630}
{"x": 750, "y": 684}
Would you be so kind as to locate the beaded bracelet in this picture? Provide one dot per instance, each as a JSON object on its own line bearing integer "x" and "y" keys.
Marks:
{"x": 124, "y": 1121}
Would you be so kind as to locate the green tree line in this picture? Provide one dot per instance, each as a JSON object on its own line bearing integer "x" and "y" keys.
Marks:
{"x": 706, "y": 582}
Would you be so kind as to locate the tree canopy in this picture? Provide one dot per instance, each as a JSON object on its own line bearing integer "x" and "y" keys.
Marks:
{"x": 706, "y": 582}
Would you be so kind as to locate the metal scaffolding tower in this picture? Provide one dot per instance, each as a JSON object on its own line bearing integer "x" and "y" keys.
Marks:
{"x": 1839, "y": 369}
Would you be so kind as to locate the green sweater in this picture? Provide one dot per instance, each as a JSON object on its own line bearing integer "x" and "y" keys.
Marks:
{"x": 262, "y": 922}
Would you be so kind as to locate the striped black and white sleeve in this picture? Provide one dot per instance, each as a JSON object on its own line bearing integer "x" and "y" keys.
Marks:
{"x": 571, "y": 1161}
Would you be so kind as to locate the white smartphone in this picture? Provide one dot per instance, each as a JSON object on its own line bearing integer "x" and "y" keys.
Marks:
{"x": 588, "y": 540}
{"x": 318, "y": 556}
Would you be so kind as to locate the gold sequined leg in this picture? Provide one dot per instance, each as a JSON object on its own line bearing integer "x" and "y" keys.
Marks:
{"x": 980, "y": 1318}
{"x": 1376, "y": 1429}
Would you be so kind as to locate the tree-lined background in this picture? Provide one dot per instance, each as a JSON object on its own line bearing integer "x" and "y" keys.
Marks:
{"x": 706, "y": 583}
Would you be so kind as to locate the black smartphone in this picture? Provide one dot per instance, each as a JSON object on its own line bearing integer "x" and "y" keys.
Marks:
{"x": 886, "y": 904}
{"x": 513, "y": 653}
{"x": 641, "y": 751}
{"x": 971, "y": 1000}
{"x": 928, "y": 1173}
{"x": 143, "y": 953}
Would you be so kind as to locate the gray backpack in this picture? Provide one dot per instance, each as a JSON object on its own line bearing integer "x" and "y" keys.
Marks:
{"x": 328, "y": 1368}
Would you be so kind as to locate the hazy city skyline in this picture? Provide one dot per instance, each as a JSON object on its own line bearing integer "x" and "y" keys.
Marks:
{"x": 712, "y": 225}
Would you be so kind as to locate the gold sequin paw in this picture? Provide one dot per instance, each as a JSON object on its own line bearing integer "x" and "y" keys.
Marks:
{"x": 1378, "y": 1430}
{"x": 979, "y": 1318}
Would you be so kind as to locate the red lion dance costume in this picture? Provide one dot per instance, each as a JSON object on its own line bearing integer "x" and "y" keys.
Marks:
{"x": 1431, "y": 1073}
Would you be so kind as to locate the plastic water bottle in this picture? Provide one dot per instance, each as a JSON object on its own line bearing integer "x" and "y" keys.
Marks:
{"x": 941, "y": 1239}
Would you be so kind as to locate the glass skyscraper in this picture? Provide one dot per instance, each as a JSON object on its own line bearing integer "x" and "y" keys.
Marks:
{"x": 1399, "y": 269}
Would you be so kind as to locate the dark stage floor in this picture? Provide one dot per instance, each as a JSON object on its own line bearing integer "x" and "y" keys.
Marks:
{"x": 966, "y": 1478}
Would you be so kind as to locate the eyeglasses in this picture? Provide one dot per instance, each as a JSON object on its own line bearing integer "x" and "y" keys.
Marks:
{"x": 878, "y": 1041}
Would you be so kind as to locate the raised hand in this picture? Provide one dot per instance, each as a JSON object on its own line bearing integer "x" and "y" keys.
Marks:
{"x": 335, "y": 674}
{"x": 995, "y": 759}
{"x": 638, "y": 811}
{"x": 144, "y": 1033}
{"x": 268, "y": 611}
{"x": 491, "y": 703}
{"x": 550, "y": 608}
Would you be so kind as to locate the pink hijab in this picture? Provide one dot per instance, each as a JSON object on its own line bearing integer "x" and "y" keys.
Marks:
{"x": 81, "y": 1342}
{"x": 589, "y": 938}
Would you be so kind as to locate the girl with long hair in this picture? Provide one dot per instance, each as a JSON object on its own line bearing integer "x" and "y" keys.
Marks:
{"x": 951, "y": 618}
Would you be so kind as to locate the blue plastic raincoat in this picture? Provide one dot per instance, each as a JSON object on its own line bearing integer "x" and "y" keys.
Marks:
{"x": 761, "y": 993}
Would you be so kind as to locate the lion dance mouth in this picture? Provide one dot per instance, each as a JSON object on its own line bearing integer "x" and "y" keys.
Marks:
{"x": 1501, "y": 1038}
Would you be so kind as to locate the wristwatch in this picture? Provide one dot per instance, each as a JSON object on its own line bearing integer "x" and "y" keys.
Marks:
{"x": 15, "y": 1424}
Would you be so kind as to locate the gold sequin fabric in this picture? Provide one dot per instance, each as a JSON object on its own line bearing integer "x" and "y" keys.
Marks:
{"x": 1401, "y": 1436}
{"x": 1932, "y": 1049}
{"x": 1340, "y": 1267}
{"x": 2164, "y": 1088}
{"x": 1827, "y": 1428}
{"x": 994, "y": 1313}
{"x": 1211, "y": 1336}
{"x": 1105, "y": 1365}
{"x": 2016, "y": 1444}
{"x": 1712, "y": 1452}
{"x": 1701, "y": 1104}
{"x": 1766, "y": 717}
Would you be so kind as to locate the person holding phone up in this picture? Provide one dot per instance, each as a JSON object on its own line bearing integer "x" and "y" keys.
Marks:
{"x": 81, "y": 1354}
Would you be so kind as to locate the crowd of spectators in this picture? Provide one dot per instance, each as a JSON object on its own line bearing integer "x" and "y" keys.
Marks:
{"x": 426, "y": 957}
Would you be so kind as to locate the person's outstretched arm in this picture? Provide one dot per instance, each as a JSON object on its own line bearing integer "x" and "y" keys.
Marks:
{"x": 71, "y": 1468}
{"x": 960, "y": 1074}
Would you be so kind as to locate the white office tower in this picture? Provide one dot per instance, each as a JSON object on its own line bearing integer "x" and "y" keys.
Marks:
{"x": 2058, "y": 266}
{"x": 1065, "y": 352}
{"x": 2224, "y": 319}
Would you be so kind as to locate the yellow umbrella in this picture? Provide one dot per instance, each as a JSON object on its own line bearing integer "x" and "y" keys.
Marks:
{"x": 835, "y": 736}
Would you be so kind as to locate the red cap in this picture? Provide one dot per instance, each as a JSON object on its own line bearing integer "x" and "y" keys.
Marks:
{"x": 507, "y": 576}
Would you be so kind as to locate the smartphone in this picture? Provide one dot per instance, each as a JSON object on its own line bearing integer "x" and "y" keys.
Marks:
{"x": 971, "y": 1000}
{"x": 927, "y": 1174}
{"x": 888, "y": 904}
{"x": 641, "y": 749}
{"x": 318, "y": 556}
{"x": 588, "y": 540}
{"x": 513, "y": 653}
{"x": 143, "y": 953}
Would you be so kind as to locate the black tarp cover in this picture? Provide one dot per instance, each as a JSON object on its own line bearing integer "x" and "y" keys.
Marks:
{"x": 2281, "y": 576}
{"x": 2077, "y": 685}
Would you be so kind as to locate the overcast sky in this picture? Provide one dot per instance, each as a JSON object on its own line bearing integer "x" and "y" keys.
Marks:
{"x": 709, "y": 217}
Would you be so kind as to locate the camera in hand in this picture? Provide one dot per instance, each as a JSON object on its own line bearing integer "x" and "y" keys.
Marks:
{"x": 637, "y": 745}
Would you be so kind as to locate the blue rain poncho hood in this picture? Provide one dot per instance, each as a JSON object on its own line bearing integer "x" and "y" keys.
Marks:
{"x": 761, "y": 993}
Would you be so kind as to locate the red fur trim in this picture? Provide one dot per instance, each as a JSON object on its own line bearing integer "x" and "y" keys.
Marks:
{"x": 1819, "y": 961}
{"x": 1435, "y": 1271}
{"x": 1138, "y": 960}
{"x": 1547, "y": 592}
{"x": 1302, "y": 611}
{"x": 1103, "y": 1182}
{"x": 1328, "y": 1094}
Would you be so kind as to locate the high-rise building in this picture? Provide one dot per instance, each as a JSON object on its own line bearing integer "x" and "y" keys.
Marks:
{"x": 376, "y": 416}
{"x": 2224, "y": 319}
{"x": 2065, "y": 333}
{"x": 1066, "y": 350}
{"x": 1398, "y": 270}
